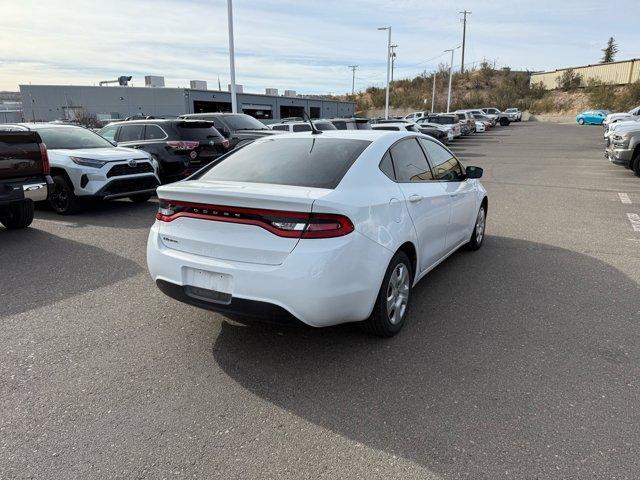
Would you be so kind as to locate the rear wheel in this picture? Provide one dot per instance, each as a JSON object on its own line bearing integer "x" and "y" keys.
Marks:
{"x": 477, "y": 236}
{"x": 504, "y": 121}
{"x": 62, "y": 199}
{"x": 140, "y": 198}
{"x": 390, "y": 310}
{"x": 635, "y": 164}
{"x": 19, "y": 215}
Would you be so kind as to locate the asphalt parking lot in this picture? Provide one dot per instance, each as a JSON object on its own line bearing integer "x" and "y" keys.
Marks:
{"x": 520, "y": 360}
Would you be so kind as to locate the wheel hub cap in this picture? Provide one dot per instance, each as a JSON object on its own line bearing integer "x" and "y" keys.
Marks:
{"x": 480, "y": 222}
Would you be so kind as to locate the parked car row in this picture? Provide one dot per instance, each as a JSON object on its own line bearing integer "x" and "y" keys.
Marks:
{"x": 622, "y": 141}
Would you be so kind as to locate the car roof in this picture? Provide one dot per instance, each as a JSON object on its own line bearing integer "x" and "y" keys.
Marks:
{"x": 39, "y": 125}
{"x": 368, "y": 135}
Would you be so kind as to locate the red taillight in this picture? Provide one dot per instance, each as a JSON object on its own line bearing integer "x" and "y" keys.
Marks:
{"x": 281, "y": 223}
{"x": 44, "y": 158}
{"x": 225, "y": 143}
{"x": 182, "y": 144}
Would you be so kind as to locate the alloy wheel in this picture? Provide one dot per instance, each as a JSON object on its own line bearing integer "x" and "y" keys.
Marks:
{"x": 480, "y": 225}
{"x": 398, "y": 293}
{"x": 59, "y": 198}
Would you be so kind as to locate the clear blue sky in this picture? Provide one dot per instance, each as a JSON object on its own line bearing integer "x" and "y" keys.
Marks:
{"x": 304, "y": 45}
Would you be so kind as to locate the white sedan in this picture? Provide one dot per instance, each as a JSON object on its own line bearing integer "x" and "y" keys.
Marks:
{"x": 324, "y": 228}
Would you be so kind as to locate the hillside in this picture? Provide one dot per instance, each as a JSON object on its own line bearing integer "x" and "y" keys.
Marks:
{"x": 501, "y": 88}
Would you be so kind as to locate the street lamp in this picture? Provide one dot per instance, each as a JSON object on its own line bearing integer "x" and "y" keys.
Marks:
{"x": 450, "y": 75}
{"x": 386, "y": 100}
{"x": 232, "y": 62}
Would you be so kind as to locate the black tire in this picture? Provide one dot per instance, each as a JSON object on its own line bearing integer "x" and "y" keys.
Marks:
{"x": 477, "y": 236}
{"x": 380, "y": 323}
{"x": 140, "y": 198}
{"x": 18, "y": 215}
{"x": 635, "y": 164}
{"x": 581, "y": 121}
{"x": 61, "y": 198}
{"x": 504, "y": 121}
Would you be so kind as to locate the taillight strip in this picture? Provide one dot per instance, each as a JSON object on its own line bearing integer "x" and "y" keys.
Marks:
{"x": 44, "y": 159}
{"x": 300, "y": 224}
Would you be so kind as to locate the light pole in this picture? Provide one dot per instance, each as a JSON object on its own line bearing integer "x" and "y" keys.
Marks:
{"x": 386, "y": 100}
{"x": 353, "y": 78}
{"x": 232, "y": 62}
{"x": 450, "y": 75}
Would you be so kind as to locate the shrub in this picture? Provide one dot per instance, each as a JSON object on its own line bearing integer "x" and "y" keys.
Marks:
{"x": 569, "y": 80}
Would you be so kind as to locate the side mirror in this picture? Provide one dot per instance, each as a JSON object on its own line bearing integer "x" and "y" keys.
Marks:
{"x": 474, "y": 172}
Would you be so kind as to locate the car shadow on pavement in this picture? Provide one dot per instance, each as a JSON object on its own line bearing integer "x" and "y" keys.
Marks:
{"x": 38, "y": 268}
{"x": 513, "y": 360}
{"x": 121, "y": 214}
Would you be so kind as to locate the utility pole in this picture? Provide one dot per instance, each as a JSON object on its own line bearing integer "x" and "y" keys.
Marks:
{"x": 464, "y": 36}
{"x": 433, "y": 94}
{"x": 232, "y": 62}
{"x": 393, "y": 58}
{"x": 353, "y": 79}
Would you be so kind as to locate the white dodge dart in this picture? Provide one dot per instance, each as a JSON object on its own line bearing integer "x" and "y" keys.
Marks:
{"x": 323, "y": 228}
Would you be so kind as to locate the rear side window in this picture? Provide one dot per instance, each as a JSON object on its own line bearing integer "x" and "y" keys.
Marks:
{"x": 131, "y": 133}
{"x": 386, "y": 165}
{"x": 409, "y": 162}
{"x": 340, "y": 125}
{"x": 154, "y": 132}
{"x": 324, "y": 126}
{"x": 197, "y": 131}
{"x": 363, "y": 126}
{"x": 393, "y": 129}
{"x": 302, "y": 128}
{"x": 283, "y": 128}
{"x": 304, "y": 162}
{"x": 445, "y": 165}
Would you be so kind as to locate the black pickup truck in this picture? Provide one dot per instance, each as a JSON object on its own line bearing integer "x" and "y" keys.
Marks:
{"x": 24, "y": 175}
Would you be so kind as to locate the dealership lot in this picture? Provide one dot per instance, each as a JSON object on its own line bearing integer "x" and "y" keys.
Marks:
{"x": 518, "y": 361}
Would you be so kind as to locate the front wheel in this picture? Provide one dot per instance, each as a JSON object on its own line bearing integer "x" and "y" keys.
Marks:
{"x": 635, "y": 164}
{"x": 390, "y": 310}
{"x": 19, "y": 215}
{"x": 477, "y": 236}
{"x": 62, "y": 199}
{"x": 581, "y": 121}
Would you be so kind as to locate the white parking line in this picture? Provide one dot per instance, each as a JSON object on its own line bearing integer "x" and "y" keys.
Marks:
{"x": 634, "y": 218}
{"x": 624, "y": 198}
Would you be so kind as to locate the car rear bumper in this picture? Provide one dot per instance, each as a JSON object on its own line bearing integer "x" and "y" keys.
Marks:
{"x": 321, "y": 282}
{"x": 35, "y": 190}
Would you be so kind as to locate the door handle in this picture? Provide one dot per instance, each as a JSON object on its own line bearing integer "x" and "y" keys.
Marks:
{"x": 415, "y": 198}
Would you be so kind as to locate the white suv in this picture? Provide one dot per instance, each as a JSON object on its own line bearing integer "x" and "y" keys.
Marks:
{"x": 86, "y": 165}
{"x": 299, "y": 126}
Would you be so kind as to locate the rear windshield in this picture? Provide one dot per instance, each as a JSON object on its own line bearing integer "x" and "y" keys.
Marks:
{"x": 197, "y": 131}
{"x": 305, "y": 162}
{"x": 442, "y": 120}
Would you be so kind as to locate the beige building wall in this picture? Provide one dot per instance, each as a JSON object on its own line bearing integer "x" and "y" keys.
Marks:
{"x": 614, "y": 73}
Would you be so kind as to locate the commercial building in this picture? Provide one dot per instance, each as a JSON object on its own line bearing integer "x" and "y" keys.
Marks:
{"x": 613, "y": 73}
{"x": 53, "y": 102}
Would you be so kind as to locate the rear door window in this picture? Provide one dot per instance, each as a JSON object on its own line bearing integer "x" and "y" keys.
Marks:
{"x": 131, "y": 133}
{"x": 301, "y": 128}
{"x": 340, "y": 125}
{"x": 282, "y": 128}
{"x": 304, "y": 161}
{"x": 409, "y": 162}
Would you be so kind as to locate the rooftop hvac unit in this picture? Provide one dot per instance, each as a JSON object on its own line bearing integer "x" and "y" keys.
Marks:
{"x": 272, "y": 91}
{"x": 289, "y": 93}
{"x": 153, "y": 81}
{"x": 198, "y": 84}
{"x": 238, "y": 88}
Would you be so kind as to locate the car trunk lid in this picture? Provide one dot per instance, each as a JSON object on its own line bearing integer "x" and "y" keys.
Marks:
{"x": 225, "y": 220}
